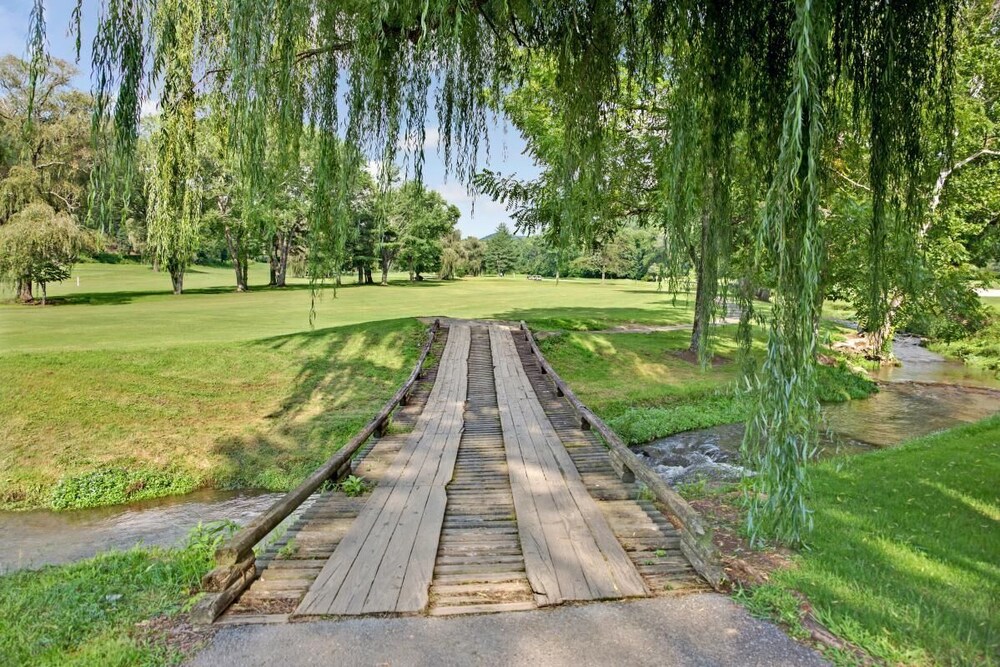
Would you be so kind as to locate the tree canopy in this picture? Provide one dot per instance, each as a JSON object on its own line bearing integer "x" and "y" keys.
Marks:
{"x": 768, "y": 74}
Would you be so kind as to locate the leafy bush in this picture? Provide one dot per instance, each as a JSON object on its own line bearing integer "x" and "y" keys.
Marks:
{"x": 981, "y": 349}
{"x": 640, "y": 425}
{"x": 112, "y": 486}
{"x": 835, "y": 384}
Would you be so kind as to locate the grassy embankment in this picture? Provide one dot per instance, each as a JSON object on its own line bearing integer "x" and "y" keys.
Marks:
{"x": 981, "y": 349}
{"x": 121, "y": 391}
{"x": 120, "y": 608}
{"x": 903, "y": 558}
{"x": 644, "y": 388}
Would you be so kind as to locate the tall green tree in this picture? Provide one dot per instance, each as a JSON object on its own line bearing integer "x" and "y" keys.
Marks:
{"x": 764, "y": 70}
{"x": 39, "y": 246}
{"x": 501, "y": 251}
{"x": 45, "y": 161}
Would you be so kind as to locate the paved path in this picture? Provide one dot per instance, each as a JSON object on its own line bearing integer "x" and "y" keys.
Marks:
{"x": 700, "y": 629}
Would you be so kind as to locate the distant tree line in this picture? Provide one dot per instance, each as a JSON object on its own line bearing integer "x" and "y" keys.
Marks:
{"x": 50, "y": 216}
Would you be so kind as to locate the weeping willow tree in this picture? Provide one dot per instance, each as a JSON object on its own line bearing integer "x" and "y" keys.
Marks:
{"x": 761, "y": 70}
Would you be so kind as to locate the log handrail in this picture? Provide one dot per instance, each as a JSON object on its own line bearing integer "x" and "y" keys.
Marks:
{"x": 241, "y": 544}
{"x": 696, "y": 538}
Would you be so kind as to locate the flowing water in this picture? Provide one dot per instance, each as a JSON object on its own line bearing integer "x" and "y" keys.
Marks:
{"x": 42, "y": 537}
{"x": 926, "y": 393}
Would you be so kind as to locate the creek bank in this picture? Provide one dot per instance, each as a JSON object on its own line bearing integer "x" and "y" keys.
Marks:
{"x": 924, "y": 394}
{"x": 36, "y": 538}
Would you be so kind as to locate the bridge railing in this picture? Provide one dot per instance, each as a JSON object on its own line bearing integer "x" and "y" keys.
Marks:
{"x": 235, "y": 560}
{"x": 696, "y": 537}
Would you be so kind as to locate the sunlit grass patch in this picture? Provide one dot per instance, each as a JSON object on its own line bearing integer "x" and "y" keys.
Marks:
{"x": 903, "y": 558}
{"x": 85, "y": 428}
{"x": 87, "y": 613}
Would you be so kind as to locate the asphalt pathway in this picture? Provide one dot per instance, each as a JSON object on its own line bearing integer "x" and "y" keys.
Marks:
{"x": 702, "y": 629}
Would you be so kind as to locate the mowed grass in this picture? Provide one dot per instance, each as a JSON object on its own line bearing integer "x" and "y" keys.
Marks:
{"x": 103, "y": 426}
{"x": 120, "y": 391}
{"x": 128, "y": 306}
{"x": 904, "y": 560}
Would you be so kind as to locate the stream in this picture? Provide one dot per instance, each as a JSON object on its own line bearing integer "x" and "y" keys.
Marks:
{"x": 924, "y": 394}
{"x": 43, "y": 537}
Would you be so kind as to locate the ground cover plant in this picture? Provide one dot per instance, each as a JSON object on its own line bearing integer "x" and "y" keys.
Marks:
{"x": 105, "y": 426}
{"x": 98, "y": 611}
{"x": 902, "y": 560}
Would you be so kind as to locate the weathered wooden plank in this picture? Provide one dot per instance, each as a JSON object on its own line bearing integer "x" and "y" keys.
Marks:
{"x": 488, "y": 608}
{"x": 696, "y": 537}
{"x": 570, "y": 538}
{"x": 388, "y": 553}
{"x": 420, "y": 569}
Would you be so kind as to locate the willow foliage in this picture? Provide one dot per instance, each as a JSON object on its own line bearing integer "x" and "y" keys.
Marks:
{"x": 756, "y": 69}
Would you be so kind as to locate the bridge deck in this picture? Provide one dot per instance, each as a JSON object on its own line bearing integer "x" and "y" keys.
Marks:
{"x": 570, "y": 552}
{"x": 386, "y": 560}
{"x": 495, "y": 501}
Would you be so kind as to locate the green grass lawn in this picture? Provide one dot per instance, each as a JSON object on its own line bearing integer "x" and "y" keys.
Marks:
{"x": 88, "y": 427}
{"x": 120, "y": 391}
{"x": 904, "y": 560}
{"x": 119, "y": 306}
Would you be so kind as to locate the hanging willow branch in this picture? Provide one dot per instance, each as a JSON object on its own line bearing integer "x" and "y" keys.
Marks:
{"x": 756, "y": 76}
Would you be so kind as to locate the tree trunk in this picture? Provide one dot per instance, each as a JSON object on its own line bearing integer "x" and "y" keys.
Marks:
{"x": 361, "y": 274}
{"x": 602, "y": 275}
{"x": 44, "y": 292}
{"x": 385, "y": 261}
{"x": 411, "y": 271}
{"x": 272, "y": 261}
{"x": 24, "y": 294}
{"x": 176, "y": 276}
{"x": 286, "y": 245}
{"x": 368, "y": 276}
{"x": 704, "y": 290}
{"x": 235, "y": 251}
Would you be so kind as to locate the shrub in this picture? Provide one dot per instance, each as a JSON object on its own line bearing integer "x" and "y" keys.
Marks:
{"x": 112, "y": 486}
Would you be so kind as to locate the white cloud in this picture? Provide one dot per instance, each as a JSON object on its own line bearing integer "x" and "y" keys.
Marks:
{"x": 480, "y": 214}
{"x": 374, "y": 168}
{"x": 149, "y": 108}
{"x": 432, "y": 137}
{"x": 454, "y": 193}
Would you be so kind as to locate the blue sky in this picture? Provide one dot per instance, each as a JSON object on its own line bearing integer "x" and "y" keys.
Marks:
{"x": 480, "y": 215}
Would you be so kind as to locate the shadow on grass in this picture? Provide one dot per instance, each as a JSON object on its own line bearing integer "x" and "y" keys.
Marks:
{"x": 126, "y": 297}
{"x": 342, "y": 377}
{"x": 903, "y": 556}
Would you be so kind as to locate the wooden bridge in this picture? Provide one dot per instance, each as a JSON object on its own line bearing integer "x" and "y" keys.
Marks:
{"x": 493, "y": 493}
